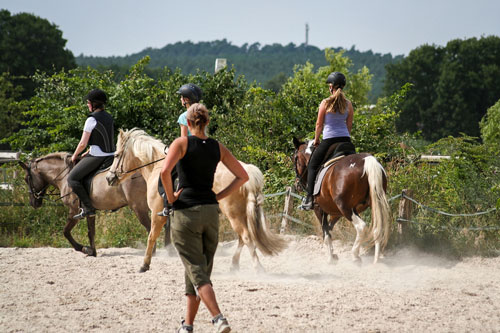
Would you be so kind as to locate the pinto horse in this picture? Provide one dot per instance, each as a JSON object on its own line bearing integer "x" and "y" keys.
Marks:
{"x": 53, "y": 170}
{"x": 136, "y": 150}
{"x": 354, "y": 183}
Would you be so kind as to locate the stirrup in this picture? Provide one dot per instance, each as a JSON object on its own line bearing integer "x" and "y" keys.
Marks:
{"x": 84, "y": 213}
{"x": 307, "y": 203}
{"x": 166, "y": 211}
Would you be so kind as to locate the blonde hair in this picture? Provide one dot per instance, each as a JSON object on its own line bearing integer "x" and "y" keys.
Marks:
{"x": 336, "y": 102}
{"x": 197, "y": 114}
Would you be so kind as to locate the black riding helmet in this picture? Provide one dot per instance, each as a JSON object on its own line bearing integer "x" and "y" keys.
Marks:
{"x": 337, "y": 79}
{"x": 97, "y": 96}
{"x": 191, "y": 91}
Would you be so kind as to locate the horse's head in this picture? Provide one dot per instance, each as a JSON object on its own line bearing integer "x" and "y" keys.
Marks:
{"x": 116, "y": 171}
{"x": 37, "y": 185}
{"x": 134, "y": 149}
{"x": 301, "y": 156}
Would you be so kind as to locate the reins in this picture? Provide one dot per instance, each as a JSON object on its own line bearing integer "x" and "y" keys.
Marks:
{"x": 40, "y": 194}
{"x": 120, "y": 163}
{"x": 142, "y": 166}
{"x": 300, "y": 177}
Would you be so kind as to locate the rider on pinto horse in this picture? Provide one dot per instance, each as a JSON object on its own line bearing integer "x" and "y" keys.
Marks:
{"x": 334, "y": 120}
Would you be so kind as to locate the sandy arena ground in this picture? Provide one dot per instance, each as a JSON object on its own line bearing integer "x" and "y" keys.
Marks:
{"x": 60, "y": 290}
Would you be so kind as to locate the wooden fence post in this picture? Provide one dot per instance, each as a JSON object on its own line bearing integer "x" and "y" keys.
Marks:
{"x": 404, "y": 212}
{"x": 287, "y": 210}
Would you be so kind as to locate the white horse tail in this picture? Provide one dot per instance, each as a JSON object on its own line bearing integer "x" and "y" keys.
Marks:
{"x": 380, "y": 226}
{"x": 265, "y": 240}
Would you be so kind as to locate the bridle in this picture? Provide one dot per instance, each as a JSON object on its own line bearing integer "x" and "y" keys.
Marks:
{"x": 31, "y": 186}
{"x": 117, "y": 174}
{"x": 299, "y": 177}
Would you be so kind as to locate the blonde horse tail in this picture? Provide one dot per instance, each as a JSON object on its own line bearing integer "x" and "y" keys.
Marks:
{"x": 265, "y": 240}
{"x": 380, "y": 226}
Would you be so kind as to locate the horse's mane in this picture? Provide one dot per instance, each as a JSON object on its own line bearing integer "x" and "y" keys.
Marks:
{"x": 141, "y": 144}
{"x": 63, "y": 156}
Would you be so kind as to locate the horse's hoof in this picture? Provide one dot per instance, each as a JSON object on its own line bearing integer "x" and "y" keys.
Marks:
{"x": 333, "y": 259}
{"x": 144, "y": 268}
{"x": 89, "y": 251}
{"x": 357, "y": 261}
{"x": 260, "y": 270}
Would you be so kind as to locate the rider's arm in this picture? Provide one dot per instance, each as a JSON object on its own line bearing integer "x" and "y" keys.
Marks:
{"x": 81, "y": 145}
{"x": 184, "y": 130}
{"x": 319, "y": 123}
{"x": 350, "y": 116}
{"x": 175, "y": 152}
{"x": 236, "y": 169}
{"x": 182, "y": 121}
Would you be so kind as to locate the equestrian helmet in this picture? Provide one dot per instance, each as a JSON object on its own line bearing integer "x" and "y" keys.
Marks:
{"x": 97, "y": 96}
{"x": 337, "y": 79}
{"x": 191, "y": 91}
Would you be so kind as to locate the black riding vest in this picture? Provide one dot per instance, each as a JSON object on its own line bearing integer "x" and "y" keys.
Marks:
{"x": 103, "y": 133}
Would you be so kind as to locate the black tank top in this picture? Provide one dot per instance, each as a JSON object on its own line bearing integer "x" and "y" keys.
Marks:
{"x": 196, "y": 173}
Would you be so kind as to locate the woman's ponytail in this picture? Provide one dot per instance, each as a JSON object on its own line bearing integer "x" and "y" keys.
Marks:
{"x": 336, "y": 102}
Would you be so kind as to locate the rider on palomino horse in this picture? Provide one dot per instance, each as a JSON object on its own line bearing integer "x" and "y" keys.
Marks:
{"x": 335, "y": 116}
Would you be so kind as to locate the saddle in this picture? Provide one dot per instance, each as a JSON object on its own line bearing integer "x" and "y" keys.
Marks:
{"x": 87, "y": 181}
{"x": 161, "y": 190}
{"x": 335, "y": 153}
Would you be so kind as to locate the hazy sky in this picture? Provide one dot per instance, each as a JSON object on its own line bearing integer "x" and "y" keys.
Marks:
{"x": 120, "y": 27}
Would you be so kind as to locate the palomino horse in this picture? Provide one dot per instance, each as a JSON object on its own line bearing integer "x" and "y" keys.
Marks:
{"x": 352, "y": 184}
{"x": 137, "y": 150}
{"x": 53, "y": 170}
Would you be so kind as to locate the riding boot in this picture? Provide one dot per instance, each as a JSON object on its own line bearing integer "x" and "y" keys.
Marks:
{"x": 307, "y": 202}
{"x": 86, "y": 210}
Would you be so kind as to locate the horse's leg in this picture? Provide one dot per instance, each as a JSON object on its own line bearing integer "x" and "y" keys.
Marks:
{"x": 235, "y": 264}
{"x": 142, "y": 213}
{"x": 91, "y": 251}
{"x": 70, "y": 224}
{"x": 359, "y": 225}
{"x": 327, "y": 236}
{"x": 253, "y": 253}
{"x": 245, "y": 237}
{"x": 157, "y": 223}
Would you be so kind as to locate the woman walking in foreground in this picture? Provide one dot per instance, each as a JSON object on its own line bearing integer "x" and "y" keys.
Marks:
{"x": 195, "y": 226}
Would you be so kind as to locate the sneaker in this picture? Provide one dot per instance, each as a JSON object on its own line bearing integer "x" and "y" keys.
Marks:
{"x": 84, "y": 213}
{"x": 307, "y": 203}
{"x": 185, "y": 328}
{"x": 221, "y": 325}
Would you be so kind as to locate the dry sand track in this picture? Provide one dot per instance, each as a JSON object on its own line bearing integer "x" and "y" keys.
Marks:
{"x": 60, "y": 290}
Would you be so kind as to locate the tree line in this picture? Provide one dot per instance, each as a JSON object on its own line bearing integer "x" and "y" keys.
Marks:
{"x": 268, "y": 65}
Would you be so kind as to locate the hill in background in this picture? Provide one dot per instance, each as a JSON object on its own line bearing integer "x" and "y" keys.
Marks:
{"x": 263, "y": 64}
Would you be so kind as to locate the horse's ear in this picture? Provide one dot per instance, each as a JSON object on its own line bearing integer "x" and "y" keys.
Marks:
{"x": 24, "y": 166}
{"x": 67, "y": 159}
{"x": 297, "y": 143}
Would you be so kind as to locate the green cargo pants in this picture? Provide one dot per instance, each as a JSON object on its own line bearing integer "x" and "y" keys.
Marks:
{"x": 195, "y": 235}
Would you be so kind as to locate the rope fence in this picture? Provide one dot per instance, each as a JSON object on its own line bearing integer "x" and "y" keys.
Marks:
{"x": 401, "y": 218}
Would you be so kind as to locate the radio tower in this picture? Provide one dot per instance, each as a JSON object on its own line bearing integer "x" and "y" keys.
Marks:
{"x": 307, "y": 34}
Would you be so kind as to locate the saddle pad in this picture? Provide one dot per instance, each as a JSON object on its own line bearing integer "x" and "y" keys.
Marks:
{"x": 104, "y": 167}
{"x": 322, "y": 172}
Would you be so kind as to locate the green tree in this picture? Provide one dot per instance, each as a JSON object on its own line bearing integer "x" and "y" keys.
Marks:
{"x": 10, "y": 109}
{"x": 452, "y": 86}
{"x": 28, "y": 44}
{"x": 421, "y": 69}
{"x": 490, "y": 125}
